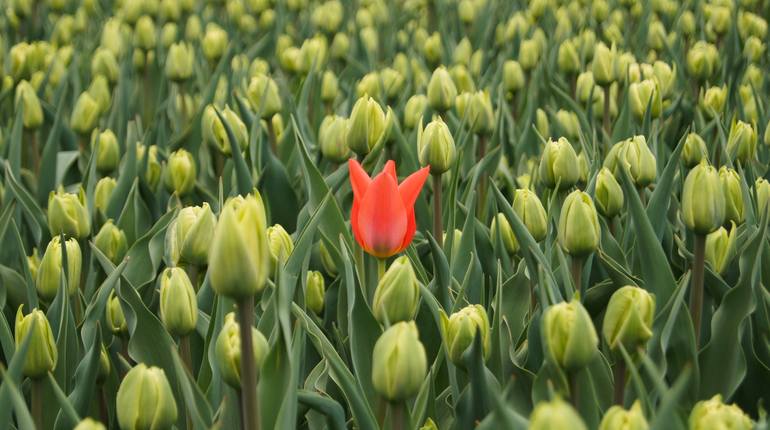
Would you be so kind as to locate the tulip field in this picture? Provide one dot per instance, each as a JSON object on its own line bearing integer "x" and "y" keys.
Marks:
{"x": 384, "y": 214}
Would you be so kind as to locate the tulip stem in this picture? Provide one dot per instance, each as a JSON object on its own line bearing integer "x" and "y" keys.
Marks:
{"x": 249, "y": 403}
{"x": 482, "y": 185}
{"x": 271, "y": 138}
{"x": 696, "y": 289}
{"x": 184, "y": 350}
{"x": 397, "y": 417}
{"x": 438, "y": 223}
{"x": 37, "y": 402}
{"x": 577, "y": 274}
{"x": 606, "y": 121}
{"x": 573, "y": 390}
{"x": 380, "y": 269}
{"x": 620, "y": 381}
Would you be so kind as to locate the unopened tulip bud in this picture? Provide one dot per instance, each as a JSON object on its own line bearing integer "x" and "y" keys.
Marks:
{"x": 179, "y": 62}
{"x": 702, "y": 60}
{"x": 41, "y": 353}
{"x": 33, "y": 263}
{"x": 556, "y": 414}
{"x": 414, "y": 110}
{"x": 103, "y": 192}
{"x": 731, "y": 187}
{"x": 703, "y": 200}
{"x": 694, "y": 150}
{"x": 608, "y": 194}
{"x": 569, "y": 123}
{"x": 500, "y": 222}
{"x": 529, "y": 54}
{"x": 104, "y": 63}
{"x": 714, "y": 414}
{"x": 766, "y": 139}
{"x": 568, "y": 59}
{"x": 180, "y": 173}
{"x": 51, "y": 267}
{"x": 742, "y": 142}
{"x": 569, "y": 335}
{"x": 461, "y": 328}
{"x": 90, "y": 424}
{"x": 436, "y": 147}
{"x": 329, "y": 87}
{"x": 397, "y": 294}
{"x": 579, "y": 231}
{"x": 392, "y": 83}
{"x": 644, "y": 95}
{"x": 541, "y": 123}
{"x": 178, "y": 303}
{"x": 513, "y": 76}
{"x": 720, "y": 247}
{"x": 368, "y": 125}
{"x": 214, "y": 42}
{"x": 116, "y": 320}
{"x": 326, "y": 260}
{"x": 67, "y": 214}
{"x": 441, "y": 90}
{"x": 712, "y": 102}
{"x": 479, "y": 113}
{"x": 332, "y": 138}
{"x": 399, "y": 362}
{"x": 153, "y": 172}
{"x": 432, "y": 49}
{"x": 107, "y": 152}
{"x": 315, "y": 291}
{"x": 762, "y": 189}
{"x": 586, "y": 89}
{"x": 617, "y": 418}
{"x": 228, "y": 350}
{"x": 85, "y": 114}
{"x": 340, "y": 46}
{"x": 33, "y": 112}
{"x": 584, "y": 168}
{"x": 462, "y": 79}
{"x": 628, "y": 319}
{"x": 111, "y": 241}
{"x": 636, "y": 156}
{"x": 239, "y": 261}
{"x": 145, "y": 400}
{"x": 369, "y": 85}
{"x": 604, "y": 65}
{"x": 559, "y": 164}
{"x": 530, "y": 211}
{"x": 144, "y": 33}
{"x": 280, "y": 245}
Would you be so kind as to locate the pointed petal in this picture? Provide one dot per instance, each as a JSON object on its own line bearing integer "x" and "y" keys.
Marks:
{"x": 412, "y": 186}
{"x": 359, "y": 179}
{"x": 354, "y": 223}
{"x": 390, "y": 169}
{"x": 411, "y": 227}
{"x": 382, "y": 217}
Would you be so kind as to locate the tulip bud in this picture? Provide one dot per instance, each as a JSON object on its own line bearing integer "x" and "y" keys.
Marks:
{"x": 41, "y": 355}
{"x": 644, "y": 95}
{"x": 441, "y": 90}
{"x": 702, "y": 60}
{"x": 90, "y": 424}
{"x": 180, "y": 173}
{"x": 107, "y": 152}
{"x": 460, "y": 329}
{"x": 178, "y": 304}
{"x": 568, "y": 59}
{"x": 145, "y": 400}
{"x": 33, "y": 113}
{"x": 111, "y": 241}
{"x": 628, "y": 319}
{"x": 694, "y": 150}
{"x": 179, "y": 62}
{"x": 414, "y": 109}
{"x": 541, "y": 123}
{"x": 617, "y": 418}
{"x": 703, "y": 200}
{"x": 85, "y": 114}
{"x": 67, "y": 214}
{"x": 397, "y": 294}
{"x": 579, "y": 232}
{"x": 239, "y": 260}
{"x": 604, "y": 65}
{"x": 392, "y": 83}
{"x": 712, "y": 101}
{"x": 713, "y": 414}
{"x": 314, "y": 292}
{"x": 214, "y": 42}
{"x": 368, "y": 125}
{"x": 33, "y": 263}
{"x": 585, "y": 88}
{"x": 116, "y": 320}
{"x": 399, "y": 363}
{"x": 569, "y": 335}
{"x": 144, "y": 33}
{"x": 731, "y": 187}
{"x": 513, "y": 76}
{"x": 432, "y": 49}
{"x": 214, "y": 132}
{"x": 720, "y": 248}
{"x": 462, "y": 79}
{"x": 529, "y": 54}
{"x": 331, "y": 138}
{"x": 478, "y": 112}
{"x": 105, "y": 64}
{"x": 436, "y": 147}
{"x": 636, "y": 155}
{"x": 263, "y": 96}
{"x": 569, "y": 123}
{"x": 530, "y": 211}
{"x": 762, "y": 189}
{"x": 556, "y": 414}
{"x": 608, "y": 194}
{"x": 281, "y": 246}
{"x": 329, "y": 87}
{"x": 559, "y": 164}
{"x": 103, "y": 192}
{"x": 506, "y": 233}
{"x": 742, "y": 142}
{"x": 189, "y": 236}
{"x": 228, "y": 350}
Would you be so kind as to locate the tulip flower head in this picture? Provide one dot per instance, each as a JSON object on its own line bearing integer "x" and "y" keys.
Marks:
{"x": 383, "y": 210}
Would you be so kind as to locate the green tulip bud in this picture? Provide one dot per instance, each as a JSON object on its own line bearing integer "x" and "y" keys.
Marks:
{"x": 505, "y": 232}
{"x": 90, "y": 424}
{"x": 170, "y": 32}
{"x": 731, "y": 188}
{"x": 145, "y": 400}
{"x": 541, "y": 123}
{"x": 530, "y": 211}
{"x": 67, "y": 214}
{"x": 604, "y": 65}
{"x": 579, "y": 232}
{"x": 568, "y": 59}
{"x": 368, "y": 125}
{"x": 179, "y": 62}
{"x": 178, "y": 303}
{"x": 214, "y": 42}
{"x": 41, "y": 355}
{"x": 460, "y": 329}
{"x": 585, "y": 88}
{"x": 189, "y": 236}
{"x": 33, "y": 263}
{"x": 105, "y": 63}
{"x": 766, "y": 139}
{"x": 103, "y": 192}
{"x": 33, "y": 112}
{"x": 214, "y": 132}
{"x": 85, "y": 114}
{"x": 583, "y": 167}
{"x": 687, "y": 23}
{"x": 414, "y": 110}
{"x": 753, "y": 49}
{"x": 636, "y": 155}
{"x": 326, "y": 260}
{"x": 529, "y": 54}
{"x": 340, "y": 46}
{"x": 180, "y": 173}
{"x": 559, "y": 164}
{"x": 399, "y": 362}
{"x": 111, "y": 241}
{"x": 462, "y": 79}
{"x": 478, "y": 112}
{"x": 569, "y": 123}
{"x": 617, "y": 418}
{"x": 397, "y": 294}
{"x": 720, "y": 248}
{"x": 331, "y": 138}
{"x": 263, "y": 96}
{"x": 152, "y": 174}
{"x": 694, "y": 150}
{"x": 328, "y": 16}
{"x": 144, "y": 33}
{"x": 462, "y": 52}
{"x": 432, "y": 49}
{"x": 314, "y": 292}
{"x": 281, "y": 246}
{"x": 513, "y": 76}
{"x": 227, "y": 350}
{"x": 370, "y": 85}
{"x": 466, "y": 11}
{"x": 742, "y": 142}
{"x": 239, "y": 260}
{"x": 713, "y": 414}
{"x": 441, "y": 90}
{"x": 712, "y": 101}
{"x": 642, "y": 95}
{"x": 107, "y": 152}
{"x": 116, "y": 320}
{"x": 436, "y": 146}
{"x": 608, "y": 194}
{"x": 329, "y": 87}
{"x": 703, "y": 200}
{"x": 556, "y": 414}
{"x": 702, "y": 60}
{"x": 628, "y": 319}
{"x": 665, "y": 76}
{"x": 392, "y": 83}
{"x": 569, "y": 335}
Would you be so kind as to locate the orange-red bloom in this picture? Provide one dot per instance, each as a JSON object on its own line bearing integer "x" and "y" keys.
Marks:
{"x": 383, "y": 211}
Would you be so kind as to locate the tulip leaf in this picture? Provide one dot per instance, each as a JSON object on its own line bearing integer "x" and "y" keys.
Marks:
{"x": 9, "y": 390}
{"x": 48, "y": 163}
{"x": 68, "y": 418}
{"x": 35, "y": 217}
{"x": 661, "y": 196}
{"x": 242, "y": 174}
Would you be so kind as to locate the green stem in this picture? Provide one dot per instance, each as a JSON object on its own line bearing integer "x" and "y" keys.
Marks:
{"x": 361, "y": 263}
{"x": 573, "y": 390}
{"x": 184, "y": 351}
{"x": 249, "y": 403}
{"x": 438, "y": 223}
{"x": 37, "y": 402}
{"x": 577, "y": 274}
{"x": 619, "y": 372}
{"x": 606, "y": 121}
{"x": 397, "y": 419}
{"x": 380, "y": 269}
{"x": 482, "y": 186}
{"x": 696, "y": 289}
{"x": 271, "y": 136}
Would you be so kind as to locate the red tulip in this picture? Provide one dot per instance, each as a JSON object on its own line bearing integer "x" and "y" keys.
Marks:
{"x": 383, "y": 211}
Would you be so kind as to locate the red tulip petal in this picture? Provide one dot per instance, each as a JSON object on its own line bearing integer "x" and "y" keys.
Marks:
{"x": 354, "y": 223}
{"x": 412, "y": 186}
{"x": 359, "y": 179}
{"x": 382, "y": 217}
{"x": 411, "y": 227}
{"x": 390, "y": 169}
